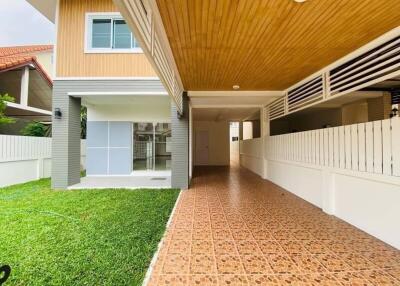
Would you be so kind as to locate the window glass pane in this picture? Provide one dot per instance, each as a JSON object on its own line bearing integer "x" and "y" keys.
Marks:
{"x": 122, "y": 35}
{"x": 101, "y": 33}
{"x": 135, "y": 43}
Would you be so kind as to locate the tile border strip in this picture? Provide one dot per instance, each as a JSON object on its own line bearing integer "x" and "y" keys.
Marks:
{"x": 160, "y": 244}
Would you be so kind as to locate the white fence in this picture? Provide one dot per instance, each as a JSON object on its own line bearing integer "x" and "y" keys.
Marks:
{"x": 352, "y": 172}
{"x": 23, "y": 159}
{"x": 372, "y": 147}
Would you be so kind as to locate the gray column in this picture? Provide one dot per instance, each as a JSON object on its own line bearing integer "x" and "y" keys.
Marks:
{"x": 180, "y": 146}
{"x": 66, "y": 135}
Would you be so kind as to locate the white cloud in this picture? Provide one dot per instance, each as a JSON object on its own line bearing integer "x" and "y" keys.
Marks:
{"x": 21, "y": 24}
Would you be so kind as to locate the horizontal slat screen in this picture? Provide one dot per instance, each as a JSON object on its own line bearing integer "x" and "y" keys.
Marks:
{"x": 150, "y": 41}
{"x": 378, "y": 64}
{"x": 306, "y": 94}
{"x": 372, "y": 147}
{"x": 277, "y": 108}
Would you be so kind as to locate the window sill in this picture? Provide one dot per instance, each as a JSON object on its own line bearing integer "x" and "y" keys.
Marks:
{"x": 114, "y": 51}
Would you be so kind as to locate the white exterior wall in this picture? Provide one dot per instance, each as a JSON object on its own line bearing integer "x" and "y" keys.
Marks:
{"x": 219, "y": 142}
{"x": 140, "y": 109}
{"x": 46, "y": 60}
{"x": 352, "y": 172}
{"x": 24, "y": 159}
{"x": 251, "y": 155}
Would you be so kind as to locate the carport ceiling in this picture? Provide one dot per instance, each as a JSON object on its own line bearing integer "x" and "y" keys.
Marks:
{"x": 223, "y": 114}
{"x": 267, "y": 44}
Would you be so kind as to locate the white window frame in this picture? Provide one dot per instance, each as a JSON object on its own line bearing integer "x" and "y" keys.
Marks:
{"x": 89, "y": 17}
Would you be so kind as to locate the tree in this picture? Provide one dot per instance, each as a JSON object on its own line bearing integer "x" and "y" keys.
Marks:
{"x": 3, "y": 105}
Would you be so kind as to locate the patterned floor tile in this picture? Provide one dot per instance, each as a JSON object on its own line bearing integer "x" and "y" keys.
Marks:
{"x": 228, "y": 264}
{"x": 233, "y": 228}
{"x": 254, "y": 264}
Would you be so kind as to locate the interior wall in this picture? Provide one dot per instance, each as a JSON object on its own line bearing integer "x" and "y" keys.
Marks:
{"x": 331, "y": 117}
{"x": 356, "y": 112}
{"x": 218, "y": 144}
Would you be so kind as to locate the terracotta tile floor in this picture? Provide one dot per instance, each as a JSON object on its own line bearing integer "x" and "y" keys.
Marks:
{"x": 233, "y": 228}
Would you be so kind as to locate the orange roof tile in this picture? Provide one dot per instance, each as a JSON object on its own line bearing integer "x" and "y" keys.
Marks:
{"x": 14, "y": 57}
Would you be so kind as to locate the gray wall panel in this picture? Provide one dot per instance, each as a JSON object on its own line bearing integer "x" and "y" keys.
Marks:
{"x": 97, "y": 161}
{"x": 97, "y": 134}
{"x": 180, "y": 146}
{"x": 66, "y": 140}
{"x": 120, "y": 134}
{"x": 120, "y": 161}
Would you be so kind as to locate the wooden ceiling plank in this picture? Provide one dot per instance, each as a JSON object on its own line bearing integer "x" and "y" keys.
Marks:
{"x": 267, "y": 44}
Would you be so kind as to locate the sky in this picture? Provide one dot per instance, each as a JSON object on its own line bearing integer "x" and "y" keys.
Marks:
{"x": 21, "y": 24}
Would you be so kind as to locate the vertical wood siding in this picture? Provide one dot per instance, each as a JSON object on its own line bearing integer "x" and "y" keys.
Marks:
{"x": 71, "y": 59}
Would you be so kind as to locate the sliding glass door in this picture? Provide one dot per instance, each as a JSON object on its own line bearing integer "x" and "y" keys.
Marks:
{"x": 151, "y": 146}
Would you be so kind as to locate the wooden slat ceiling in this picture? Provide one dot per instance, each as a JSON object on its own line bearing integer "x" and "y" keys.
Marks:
{"x": 267, "y": 44}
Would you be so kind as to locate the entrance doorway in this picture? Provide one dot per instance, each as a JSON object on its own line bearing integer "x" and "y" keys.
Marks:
{"x": 234, "y": 142}
{"x": 151, "y": 146}
{"x": 202, "y": 147}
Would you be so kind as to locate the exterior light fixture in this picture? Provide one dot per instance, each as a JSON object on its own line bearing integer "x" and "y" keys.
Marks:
{"x": 236, "y": 87}
{"x": 57, "y": 113}
{"x": 300, "y": 1}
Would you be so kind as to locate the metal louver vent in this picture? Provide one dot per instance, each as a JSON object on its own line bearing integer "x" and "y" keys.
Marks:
{"x": 306, "y": 94}
{"x": 277, "y": 108}
{"x": 378, "y": 64}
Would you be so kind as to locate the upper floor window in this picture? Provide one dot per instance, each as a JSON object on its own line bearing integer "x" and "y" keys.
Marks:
{"x": 109, "y": 33}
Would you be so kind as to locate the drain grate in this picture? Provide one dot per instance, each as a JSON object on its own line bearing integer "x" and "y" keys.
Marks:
{"x": 158, "y": 179}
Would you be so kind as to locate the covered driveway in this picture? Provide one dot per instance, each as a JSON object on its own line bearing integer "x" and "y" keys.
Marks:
{"x": 233, "y": 228}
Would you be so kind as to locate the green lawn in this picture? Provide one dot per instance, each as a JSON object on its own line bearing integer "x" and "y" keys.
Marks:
{"x": 86, "y": 237}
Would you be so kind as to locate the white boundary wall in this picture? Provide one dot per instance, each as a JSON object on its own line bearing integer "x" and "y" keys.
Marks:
{"x": 352, "y": 172}
{"x": 24, "y": 159}
{"x": 251, "y": 155}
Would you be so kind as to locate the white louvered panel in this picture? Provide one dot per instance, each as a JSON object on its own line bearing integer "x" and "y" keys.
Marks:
{"x": 396, "y": 145}
{"x": 369, "y": 146}
{"x": 386, "y": 148}
{"x": 336, "y": 146}
{"x": 354, "y": 147}
{"x": 277, "y": 108}
{"x": 361, "y": 147}
{"x": 305, "y": 94}
{"x": 331, "y": 147}
{"x": 377, "y": 147}
{"x": 347, "y": 144}
{"x": 375, "y": 65}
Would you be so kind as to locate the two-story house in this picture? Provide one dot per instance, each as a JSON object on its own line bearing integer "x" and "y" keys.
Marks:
{"x": 100, "y": 65}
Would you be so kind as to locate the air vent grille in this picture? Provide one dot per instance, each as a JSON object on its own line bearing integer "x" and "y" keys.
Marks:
{"x": 277, "y": 108}
{"x": 306, "y": 94}
{"x": 376, "y": 65}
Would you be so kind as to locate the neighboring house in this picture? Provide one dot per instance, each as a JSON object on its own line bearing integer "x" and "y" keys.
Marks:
{"x": 26, "y": 74}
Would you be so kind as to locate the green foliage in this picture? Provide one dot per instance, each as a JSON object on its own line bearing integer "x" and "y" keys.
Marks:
{"x": 36, "y": 129}
{"x": 80, "y": 237}
{"x": 3, "y": 105}
{"x": 83, "y": 122}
